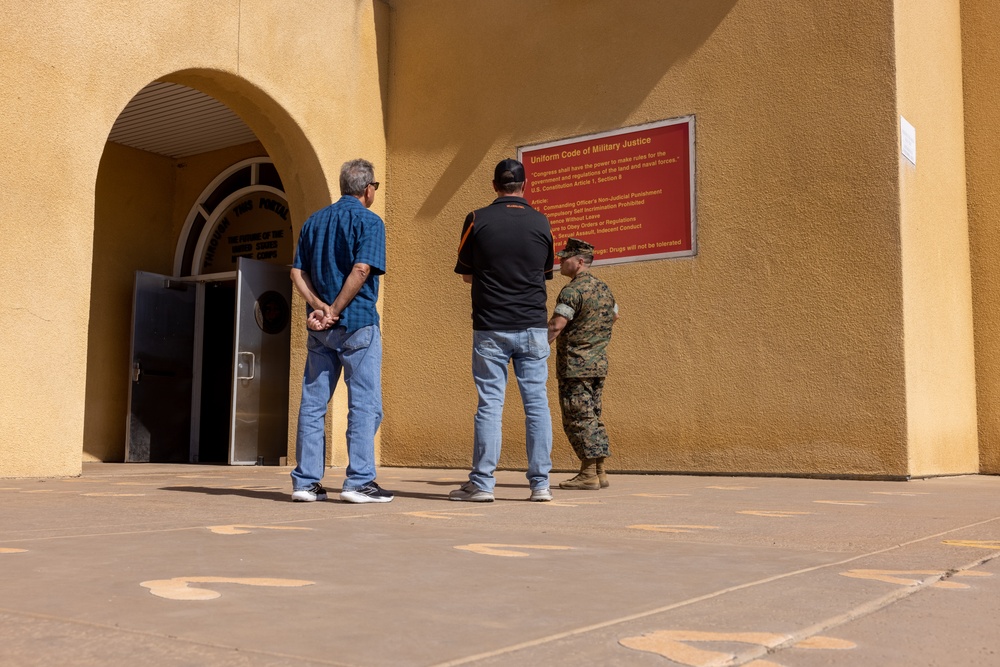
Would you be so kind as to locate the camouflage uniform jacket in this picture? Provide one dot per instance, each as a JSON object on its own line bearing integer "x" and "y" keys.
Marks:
{"x": 581, "y": 349}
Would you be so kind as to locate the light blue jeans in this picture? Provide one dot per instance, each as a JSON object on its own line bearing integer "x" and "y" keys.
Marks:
{"x": 492, "y": 351}
{"x": 359, "y": 354}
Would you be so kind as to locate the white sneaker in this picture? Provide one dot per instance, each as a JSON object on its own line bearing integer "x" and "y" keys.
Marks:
{"x": 369, "y": 493}
{"x": 471, "y": 493}
{"x": 541, "y": 495}
{"x": 309, "y": 495}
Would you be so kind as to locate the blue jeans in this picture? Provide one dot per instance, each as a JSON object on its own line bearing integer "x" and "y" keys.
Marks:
{"x": 492, "y": 351}
{"x": 359, "y": 354}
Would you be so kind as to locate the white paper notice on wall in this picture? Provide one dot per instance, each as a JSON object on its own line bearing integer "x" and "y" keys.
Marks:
{"x": 908, "y": 140}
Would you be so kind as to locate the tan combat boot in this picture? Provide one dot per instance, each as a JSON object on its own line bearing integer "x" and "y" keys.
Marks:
{"x": 601, "y": 475}
{"x": 586, "y": 479}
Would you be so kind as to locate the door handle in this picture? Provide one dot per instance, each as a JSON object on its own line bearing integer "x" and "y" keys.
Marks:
{"x": 243, "y": 365}
{"x": 136, "y": 371}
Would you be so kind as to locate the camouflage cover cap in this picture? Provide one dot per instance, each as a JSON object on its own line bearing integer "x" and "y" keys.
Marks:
{"x": 576, "y": 247}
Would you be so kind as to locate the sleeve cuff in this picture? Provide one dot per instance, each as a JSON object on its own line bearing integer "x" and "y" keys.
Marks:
{"x": 565, "y": 311}
{"x": 375, "y": 263}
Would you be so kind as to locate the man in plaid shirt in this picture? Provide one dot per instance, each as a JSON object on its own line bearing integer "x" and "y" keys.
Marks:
{"x": 340, "y": 255}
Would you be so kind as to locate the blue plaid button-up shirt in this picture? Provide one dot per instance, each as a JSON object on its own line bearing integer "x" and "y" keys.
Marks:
{"x": 332, "y": 241}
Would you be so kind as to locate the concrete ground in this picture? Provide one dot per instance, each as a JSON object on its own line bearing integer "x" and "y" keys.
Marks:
{"x": 180, "y": 565}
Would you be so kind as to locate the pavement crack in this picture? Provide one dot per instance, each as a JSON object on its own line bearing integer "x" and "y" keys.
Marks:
{"x": 857, "y": 613}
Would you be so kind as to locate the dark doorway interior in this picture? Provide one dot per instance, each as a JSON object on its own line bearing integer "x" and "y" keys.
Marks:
{"x": 217, "y": 371}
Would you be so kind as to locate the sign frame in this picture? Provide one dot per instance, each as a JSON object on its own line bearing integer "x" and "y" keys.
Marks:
{"x": 633, "y": 129}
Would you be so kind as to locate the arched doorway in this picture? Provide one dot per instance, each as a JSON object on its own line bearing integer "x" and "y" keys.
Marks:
{"x": 211, "y": 340}
{"x": 193, "y": 237}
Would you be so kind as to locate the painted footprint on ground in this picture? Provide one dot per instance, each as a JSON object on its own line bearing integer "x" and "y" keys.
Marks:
{"x": 676, "y": 645}
{"x": 179, "y": 588}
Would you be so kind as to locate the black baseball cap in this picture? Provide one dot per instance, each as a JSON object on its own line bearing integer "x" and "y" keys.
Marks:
{"x": 508, "y": 171}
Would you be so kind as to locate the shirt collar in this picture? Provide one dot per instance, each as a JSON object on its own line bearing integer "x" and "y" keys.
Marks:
{"x": 351, "y": 200}
{"x": 510, "y": 198}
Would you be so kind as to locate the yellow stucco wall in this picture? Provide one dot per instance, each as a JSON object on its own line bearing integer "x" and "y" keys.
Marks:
{"x": 134, "y": 194}
{"x": 779, "y": 347}
{"x": 981, "y": 60}
{"x": 937, "y": 297}
{"x": 61, "y": 95}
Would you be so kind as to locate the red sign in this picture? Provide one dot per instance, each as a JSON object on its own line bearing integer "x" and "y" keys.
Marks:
{"x": 628, "y": 192}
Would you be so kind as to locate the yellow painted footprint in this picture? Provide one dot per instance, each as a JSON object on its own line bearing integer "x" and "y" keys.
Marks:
{"x": 111, "y": 494}
{"x": 676, "y": 645}
{"x": 851, "y": 503}
{"x": 666, "y": 528}
{"x": 439, "y": 514}
{"x": 178, "y": 588}
{"x": 993, "y": 545}
{"x": 243, "y": 529}
{"x": 507, "y": 550}
{"x": 893, "y": 577}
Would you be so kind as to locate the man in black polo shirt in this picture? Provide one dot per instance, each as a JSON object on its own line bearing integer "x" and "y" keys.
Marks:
{"x": 506, "y": 255}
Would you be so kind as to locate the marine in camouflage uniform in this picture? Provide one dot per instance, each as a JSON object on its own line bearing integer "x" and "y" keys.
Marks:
{"x": 581, "y": 325}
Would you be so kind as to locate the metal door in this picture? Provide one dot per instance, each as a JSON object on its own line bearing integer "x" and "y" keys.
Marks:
{"x": 159, "y": 405}
{"x": 259, "y": 427}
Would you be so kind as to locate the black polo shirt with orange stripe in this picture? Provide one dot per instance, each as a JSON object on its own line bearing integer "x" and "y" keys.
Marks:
{"x": 507, "y": 249}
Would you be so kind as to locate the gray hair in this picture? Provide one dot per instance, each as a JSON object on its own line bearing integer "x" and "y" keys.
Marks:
{"x": 355, "y": 175}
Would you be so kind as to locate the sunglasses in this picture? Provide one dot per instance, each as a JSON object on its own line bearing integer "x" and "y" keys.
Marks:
{"x": 374, "y": 184}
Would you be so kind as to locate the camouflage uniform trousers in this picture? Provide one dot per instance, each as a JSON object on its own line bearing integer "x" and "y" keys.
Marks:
{"x": 580, "y": 400}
